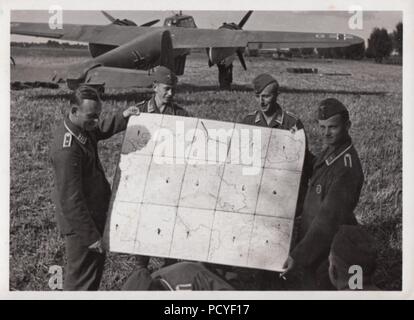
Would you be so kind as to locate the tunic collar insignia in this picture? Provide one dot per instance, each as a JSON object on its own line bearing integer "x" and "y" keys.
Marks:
{"x": 75, "y": 131}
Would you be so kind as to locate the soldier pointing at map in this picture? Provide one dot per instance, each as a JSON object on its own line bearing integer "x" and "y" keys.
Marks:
{"x": 81, "y": 192}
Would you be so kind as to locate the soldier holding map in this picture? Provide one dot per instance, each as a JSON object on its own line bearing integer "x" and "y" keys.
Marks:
{"x": 162, "y": 100}
{"x": 81, "y": 192}
{"x": 270, "y": 113}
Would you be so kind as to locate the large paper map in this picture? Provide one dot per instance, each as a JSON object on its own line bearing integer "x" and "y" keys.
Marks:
{"x": 206, "y": 190}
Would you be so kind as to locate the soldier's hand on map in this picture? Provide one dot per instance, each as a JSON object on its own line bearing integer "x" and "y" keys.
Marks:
{"x": 288, "y": 266}
{"x": 96, "y": 246}
{"x": 131, "y": 111}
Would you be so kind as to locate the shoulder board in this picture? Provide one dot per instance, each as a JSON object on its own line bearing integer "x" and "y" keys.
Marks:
{"x": 252, "y": 113}
{"x": 292, "y": 115}
{"x": 67, "y": 140}
{"x": 141, "y": 104}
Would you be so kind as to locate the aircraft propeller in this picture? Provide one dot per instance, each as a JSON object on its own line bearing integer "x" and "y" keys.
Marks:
{"x": 245, "y": 18}
{"x": 126, "y": 22}
{"x": 239, "y": 26}
{"x": 240, "y": 51}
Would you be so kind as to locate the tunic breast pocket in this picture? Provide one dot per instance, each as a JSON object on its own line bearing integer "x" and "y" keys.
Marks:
{"x": 317, "y": 190}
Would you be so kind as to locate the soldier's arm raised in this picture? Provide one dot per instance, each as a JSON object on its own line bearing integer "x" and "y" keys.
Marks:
{"x": 115, "y": 123}
{"x": 68, "y": 172}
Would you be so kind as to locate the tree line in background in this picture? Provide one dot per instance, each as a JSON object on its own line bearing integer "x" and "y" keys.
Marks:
{"x": 381, "y": 45}
{"x": 49, "y": 44}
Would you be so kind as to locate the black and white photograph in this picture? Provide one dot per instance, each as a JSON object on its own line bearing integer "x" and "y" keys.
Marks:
{"x": 231, "y": 150}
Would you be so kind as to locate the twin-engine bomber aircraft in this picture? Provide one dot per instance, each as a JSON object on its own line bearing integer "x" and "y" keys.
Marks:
{"x": 123, "y": 53}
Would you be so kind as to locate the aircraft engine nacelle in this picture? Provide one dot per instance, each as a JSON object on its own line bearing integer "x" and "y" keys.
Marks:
{"x": 223, "y": 55}
{"x": 143, "y": 53}
{"x": 220, "y": 55}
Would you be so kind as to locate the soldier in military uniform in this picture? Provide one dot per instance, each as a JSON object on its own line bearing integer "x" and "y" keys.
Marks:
{"x": 270, "y": 114}
{"x": 178, "y": 276}
{"x": 162, "y": 100}
{"x": 333, "y": 192}
{"x": 352, "y": 246}
{"x": 81, "y": 192}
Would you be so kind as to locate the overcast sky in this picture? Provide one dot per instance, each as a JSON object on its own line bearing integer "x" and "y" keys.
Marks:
{"x": 310, "y": 21}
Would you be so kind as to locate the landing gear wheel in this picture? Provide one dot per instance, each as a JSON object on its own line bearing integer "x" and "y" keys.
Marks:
{"x": 225, "y": 76}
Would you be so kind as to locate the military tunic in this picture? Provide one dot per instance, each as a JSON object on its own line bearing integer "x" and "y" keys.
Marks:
{"x": 282, "y": 120}
{"x": 150, "y": 106}
{"x": 331, "y": 198}
{"x": 81, "y": 195}
{"x": 286, "y": 120}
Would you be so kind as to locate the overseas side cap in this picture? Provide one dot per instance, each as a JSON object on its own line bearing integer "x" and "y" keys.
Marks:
{"x": 262, "y": 81}
{"x": 330, "y": 107}
{"x": 165, "y": 76}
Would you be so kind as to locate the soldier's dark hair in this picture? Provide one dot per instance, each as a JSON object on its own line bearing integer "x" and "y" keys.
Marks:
{"x": 84, "y": 92}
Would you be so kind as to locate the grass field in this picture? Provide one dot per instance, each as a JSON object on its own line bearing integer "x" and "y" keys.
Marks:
{"x": 373, "y": 94}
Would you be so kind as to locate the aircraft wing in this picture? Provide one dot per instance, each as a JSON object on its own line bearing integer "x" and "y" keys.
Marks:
{"x": 186, "y": 37}
{"x": 87, "y": 72}
{"x": 282, "y": 39}
{"x": 118, "y": 35}
{"x": 102, "y": 34}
